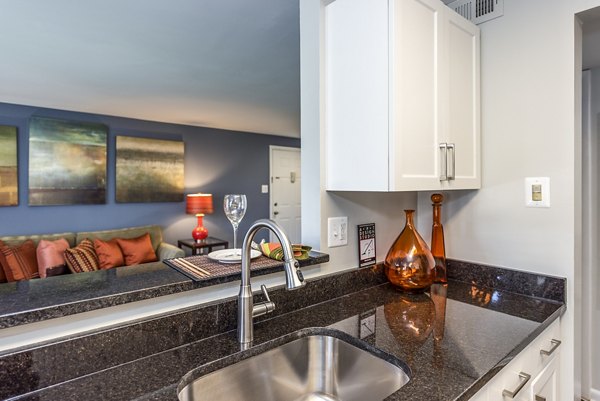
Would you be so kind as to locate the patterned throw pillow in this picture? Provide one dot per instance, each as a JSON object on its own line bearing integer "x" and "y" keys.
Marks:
{"x": 2, "y": 274}
{"x": 109, "y": 253}
{"x": 19, "y": 262}
{"x": 82, "y": 258}
{"x": 51, "y": 257}
{"x": 137, "y": 250}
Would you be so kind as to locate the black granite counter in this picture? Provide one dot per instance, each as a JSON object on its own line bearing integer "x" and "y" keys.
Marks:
{"x": 35, "y": 300}
{"x": 454, "y": 340}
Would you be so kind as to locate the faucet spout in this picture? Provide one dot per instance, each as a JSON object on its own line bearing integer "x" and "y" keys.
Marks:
{"x": 293, "y": 279}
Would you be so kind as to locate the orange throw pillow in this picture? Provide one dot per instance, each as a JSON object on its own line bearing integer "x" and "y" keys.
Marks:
{"x": 82, "y": 258}
{"x": 137, "y": 250}
{"x": 19, "y": 262}
{"x": 51, "y": 257}
{"x": 109, "y": 253}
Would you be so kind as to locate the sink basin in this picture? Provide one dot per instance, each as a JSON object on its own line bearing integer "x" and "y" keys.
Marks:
{"x": 312, "y": 368}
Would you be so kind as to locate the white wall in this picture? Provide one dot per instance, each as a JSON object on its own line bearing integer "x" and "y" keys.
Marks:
{"x": 383, "y": 209}
{"x": 529, "y": 97}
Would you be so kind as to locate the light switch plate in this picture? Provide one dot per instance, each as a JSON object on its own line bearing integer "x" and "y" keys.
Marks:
{"x": 337, "y": 231}
{"x": 264, "y": 189}
{"x": 537, "y": 191}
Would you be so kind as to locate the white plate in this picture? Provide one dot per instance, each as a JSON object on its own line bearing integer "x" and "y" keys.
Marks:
{"x": 231, "y": 255}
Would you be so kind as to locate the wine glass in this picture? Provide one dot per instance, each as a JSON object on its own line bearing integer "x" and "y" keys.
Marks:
{"x": 235, "y": 209}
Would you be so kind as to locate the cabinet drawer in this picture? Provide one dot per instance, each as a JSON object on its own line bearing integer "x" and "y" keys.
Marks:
{"x": 522, "y": 370}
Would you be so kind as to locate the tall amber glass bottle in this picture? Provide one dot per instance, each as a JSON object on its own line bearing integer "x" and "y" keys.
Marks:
{"x": 437, "y": 240}
{"x": 409, "y": 263}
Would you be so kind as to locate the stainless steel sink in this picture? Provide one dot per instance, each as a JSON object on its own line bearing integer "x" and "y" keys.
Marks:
{"x": 313, "y": 368}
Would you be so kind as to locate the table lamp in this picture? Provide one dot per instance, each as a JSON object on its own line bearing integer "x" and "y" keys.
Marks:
{"x": 199, "y": 204}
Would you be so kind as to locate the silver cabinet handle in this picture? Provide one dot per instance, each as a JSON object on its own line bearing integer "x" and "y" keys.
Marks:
{"x": 443, "y": 161}
{"x": 524, "y": 379}
{"x": 539, "y": 398}
{"x": 451, "y": 164}
{"x": 555, "y": 345}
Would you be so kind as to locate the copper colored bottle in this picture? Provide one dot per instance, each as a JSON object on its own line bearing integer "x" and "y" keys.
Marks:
{"x": 437, "y": 240}
{"x": 409, "y": 263}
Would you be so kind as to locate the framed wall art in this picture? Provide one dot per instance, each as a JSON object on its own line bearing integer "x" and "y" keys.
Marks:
{"x": 149, "y": 170}
{"x": 67, "y": 162}
{"x": 9, "y": 182}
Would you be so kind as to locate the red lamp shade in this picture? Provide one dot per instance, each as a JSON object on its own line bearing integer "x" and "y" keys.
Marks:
{"x": 199, "y": 204}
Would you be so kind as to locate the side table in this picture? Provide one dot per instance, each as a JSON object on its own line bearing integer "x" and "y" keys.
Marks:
{"x": 197, "y": 247}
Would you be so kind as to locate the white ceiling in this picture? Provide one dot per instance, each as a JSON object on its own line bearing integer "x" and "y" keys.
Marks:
{"x": 231, "y": 64}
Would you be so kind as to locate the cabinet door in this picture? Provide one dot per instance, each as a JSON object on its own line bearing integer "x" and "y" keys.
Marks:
{"x": 415, "y": 98}
{"x": 462, "y": 110}
{"x": 545, "y": 385}
{"x": 356, "y": 93}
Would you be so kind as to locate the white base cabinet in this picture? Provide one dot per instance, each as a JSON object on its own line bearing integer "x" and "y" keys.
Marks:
{"x": 402, "y": 96}
{"x": 533, "y": 375}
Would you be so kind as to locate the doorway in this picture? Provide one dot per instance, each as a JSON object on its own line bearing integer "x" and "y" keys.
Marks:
{"x": 284, "y": 198}
{"x": 590, "y": 216}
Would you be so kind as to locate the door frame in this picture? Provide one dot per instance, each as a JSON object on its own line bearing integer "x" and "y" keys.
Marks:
{"x": 271, "y": 149}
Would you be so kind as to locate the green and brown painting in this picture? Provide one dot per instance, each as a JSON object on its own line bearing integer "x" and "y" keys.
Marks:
{"x": 149, "y": 170}
{"x": 9, "y": 187}
{"x": 67, "y": 162}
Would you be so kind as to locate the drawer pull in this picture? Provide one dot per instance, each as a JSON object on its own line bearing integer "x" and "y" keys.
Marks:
{"x": 443, "y": 161}
{"x": 555, "y": 345}
{"x": 539, "y": 398}
{"x": 452, "y": 165}
{"x": 524, "y": 379}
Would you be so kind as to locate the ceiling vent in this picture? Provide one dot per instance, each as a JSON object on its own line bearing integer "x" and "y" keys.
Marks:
{"x": 478, "y": 11}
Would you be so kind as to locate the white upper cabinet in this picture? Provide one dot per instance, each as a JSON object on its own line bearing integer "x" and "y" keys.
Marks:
{"x": 402, "y": 96}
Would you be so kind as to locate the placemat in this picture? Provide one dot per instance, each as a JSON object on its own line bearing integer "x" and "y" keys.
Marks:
{"x": 204, "y": 268}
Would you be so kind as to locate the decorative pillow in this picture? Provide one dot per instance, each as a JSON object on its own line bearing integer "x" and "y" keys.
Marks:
{"x": 137, "y": 250}
{"x": 82, "y": 258}
{"x": 19, "y": 262}
{"x": 109, "y": 253}
{"x": 51, "y": 257}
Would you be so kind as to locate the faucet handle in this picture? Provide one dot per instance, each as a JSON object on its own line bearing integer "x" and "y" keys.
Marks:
{"x": 263, "y": 288}
{"x": 264, "y": 307}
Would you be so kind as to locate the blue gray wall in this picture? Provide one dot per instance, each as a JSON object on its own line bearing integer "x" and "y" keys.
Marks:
{"x": 216, "y": 161}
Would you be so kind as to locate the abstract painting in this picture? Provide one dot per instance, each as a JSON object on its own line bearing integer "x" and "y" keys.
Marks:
{"x": 149, "y": 170}
{"x": 9, "y": 183}
{"x": 67, "y": 162}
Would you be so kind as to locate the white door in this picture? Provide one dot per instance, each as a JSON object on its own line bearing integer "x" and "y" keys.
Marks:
{"x": 462, "y": 108}
{"x": 285, "y": 190}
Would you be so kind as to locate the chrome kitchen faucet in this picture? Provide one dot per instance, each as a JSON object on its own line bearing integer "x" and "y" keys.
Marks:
{"x": 293, "y": 278}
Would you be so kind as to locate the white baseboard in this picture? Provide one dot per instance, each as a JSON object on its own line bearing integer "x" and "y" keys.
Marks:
{"x": 595, "y": 394}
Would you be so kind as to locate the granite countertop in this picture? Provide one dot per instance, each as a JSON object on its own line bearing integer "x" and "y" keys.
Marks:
{"x": 446, "y": 355}
{"x": 453, "y": 341}
{"x": 41, "y": 299}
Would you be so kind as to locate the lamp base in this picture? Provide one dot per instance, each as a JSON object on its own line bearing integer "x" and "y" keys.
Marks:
{"x": 200, "y": 232}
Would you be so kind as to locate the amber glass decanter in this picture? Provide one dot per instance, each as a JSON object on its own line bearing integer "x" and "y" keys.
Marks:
{"x": 409, "y": 263}
{"x": 437, "y": 240}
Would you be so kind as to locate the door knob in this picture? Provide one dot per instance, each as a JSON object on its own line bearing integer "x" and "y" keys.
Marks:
{"x": 275, "y": 213}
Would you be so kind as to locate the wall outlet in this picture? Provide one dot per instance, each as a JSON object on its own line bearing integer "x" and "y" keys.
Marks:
{"x": 537, "y": 192}
{"x": 337, "y": 231}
